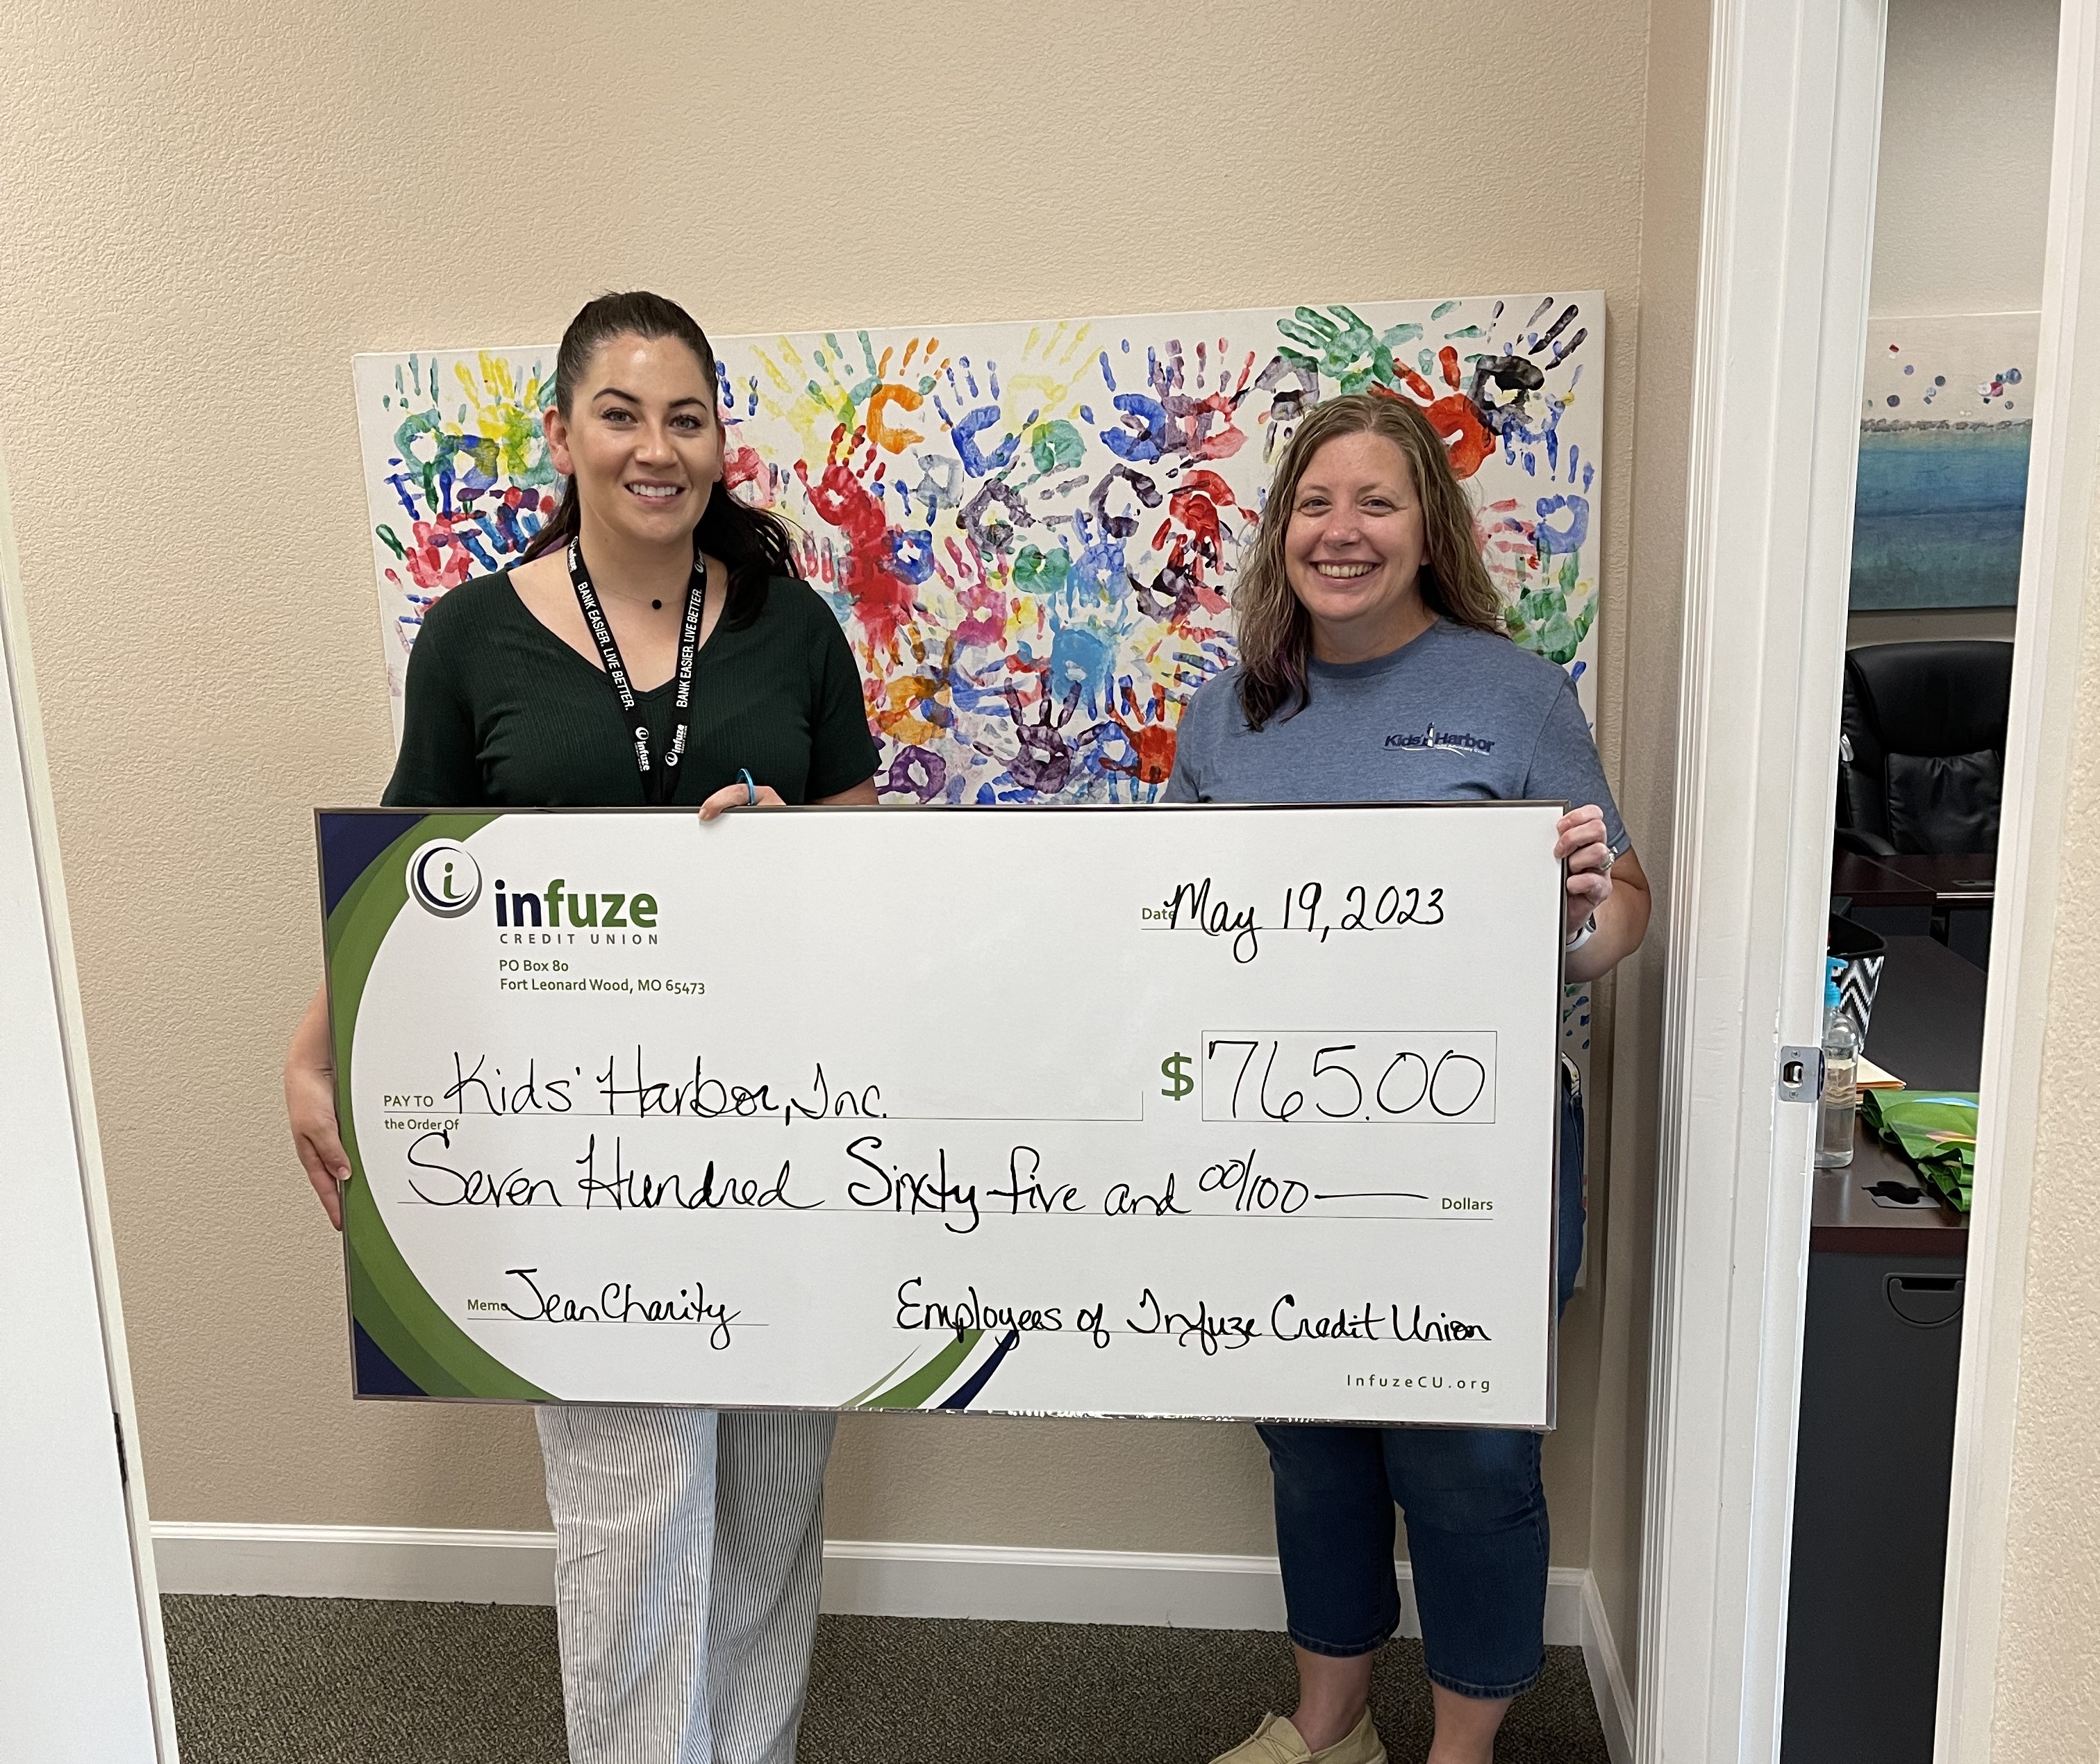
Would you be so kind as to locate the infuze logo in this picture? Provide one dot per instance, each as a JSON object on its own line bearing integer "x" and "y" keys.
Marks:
{"x": 556, "y": 912}
{"x": 444, "y": 877}
{"x": 445, "y": 880}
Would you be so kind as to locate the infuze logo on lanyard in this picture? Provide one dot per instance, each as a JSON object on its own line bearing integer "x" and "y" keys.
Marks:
{"x": 658, "y": 781}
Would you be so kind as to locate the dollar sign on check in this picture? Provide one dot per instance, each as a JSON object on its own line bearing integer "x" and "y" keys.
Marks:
{"x": 1175, "y": 1069}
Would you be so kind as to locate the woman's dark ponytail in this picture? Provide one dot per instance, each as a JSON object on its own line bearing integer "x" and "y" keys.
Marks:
{"x": 754, "y": 543}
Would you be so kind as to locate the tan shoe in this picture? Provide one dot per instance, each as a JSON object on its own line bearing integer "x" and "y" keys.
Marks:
{"x": 1276, "y": 1741}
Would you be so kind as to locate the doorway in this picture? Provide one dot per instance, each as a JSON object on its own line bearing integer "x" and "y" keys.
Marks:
{"x": 1785, "y": 280}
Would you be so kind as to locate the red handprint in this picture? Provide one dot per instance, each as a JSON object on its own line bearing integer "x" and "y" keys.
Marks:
{"x": 1200, "y": 505}
{"x": 436, "y": 557}
{"x": 845, "y": 497}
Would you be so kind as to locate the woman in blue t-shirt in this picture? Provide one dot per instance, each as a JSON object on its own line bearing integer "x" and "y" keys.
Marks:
{"x": 1374, "y": 665}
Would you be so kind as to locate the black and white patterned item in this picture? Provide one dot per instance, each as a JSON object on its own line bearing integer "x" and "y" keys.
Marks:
{"x": 1856, "y": 955}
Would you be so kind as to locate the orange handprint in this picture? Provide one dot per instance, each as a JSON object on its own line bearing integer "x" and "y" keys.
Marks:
{"x": 1452, "y": 415}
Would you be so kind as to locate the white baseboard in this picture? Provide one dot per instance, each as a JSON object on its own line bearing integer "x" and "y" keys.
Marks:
{"x": 477, "y": 1567}
{"x": 1607, "y": 1675}
{"x": 863, "y": 1578}
{"x": 1180, "y": 1592}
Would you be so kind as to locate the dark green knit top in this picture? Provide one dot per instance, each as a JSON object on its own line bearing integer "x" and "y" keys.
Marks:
{"x": 502, "y": 713}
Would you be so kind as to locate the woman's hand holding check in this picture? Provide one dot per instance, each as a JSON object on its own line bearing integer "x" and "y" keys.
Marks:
{"x": 1613, "y": 888}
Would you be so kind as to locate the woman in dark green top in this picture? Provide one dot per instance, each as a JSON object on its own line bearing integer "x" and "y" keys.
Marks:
{"x": 654, "y": 645}
{"x": 503, "y": 712}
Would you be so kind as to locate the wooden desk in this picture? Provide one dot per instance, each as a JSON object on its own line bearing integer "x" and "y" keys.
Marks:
{"x": 1948, "y": 895}
{"x": 1954, "y": 878}
{"x": 1927, "y": 1026}
{"x": 1871, "y": 882}
{"x": 1928, "y": 1030}
{"x": 1846, "y": 1217}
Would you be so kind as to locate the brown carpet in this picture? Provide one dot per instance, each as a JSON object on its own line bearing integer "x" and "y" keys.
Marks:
{"x": 338, "y": 1681}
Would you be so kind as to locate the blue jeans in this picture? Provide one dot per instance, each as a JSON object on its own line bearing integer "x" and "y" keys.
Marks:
{"x": 1476, "y": 1525}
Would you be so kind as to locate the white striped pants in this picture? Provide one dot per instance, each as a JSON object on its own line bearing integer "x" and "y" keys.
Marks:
{"x": 688, "y": 1557}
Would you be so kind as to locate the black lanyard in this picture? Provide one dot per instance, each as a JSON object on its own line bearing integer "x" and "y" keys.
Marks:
{"x": 658, "y": 782}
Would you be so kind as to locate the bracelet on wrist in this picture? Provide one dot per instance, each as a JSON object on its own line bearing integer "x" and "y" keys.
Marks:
{"x": 1585, "y": 931}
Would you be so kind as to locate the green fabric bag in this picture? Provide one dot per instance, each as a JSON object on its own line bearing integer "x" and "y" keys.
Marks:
{"x": 1935, "y": 1129}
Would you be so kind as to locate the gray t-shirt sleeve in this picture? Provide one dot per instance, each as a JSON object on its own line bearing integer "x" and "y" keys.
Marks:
{"x": 1192, "y": 740}
{"x": 1564, "y": 764}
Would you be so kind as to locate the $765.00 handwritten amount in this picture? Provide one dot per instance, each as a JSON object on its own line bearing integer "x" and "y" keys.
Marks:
{"x": 1387, "y": 1075}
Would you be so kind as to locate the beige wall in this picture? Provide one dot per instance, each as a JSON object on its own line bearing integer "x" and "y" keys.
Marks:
{"x": 1642, "y": 649}
{"x": 1961, "y": 200}
{"x": 2048, "y": 1660}
{"x": 211, "y": 205}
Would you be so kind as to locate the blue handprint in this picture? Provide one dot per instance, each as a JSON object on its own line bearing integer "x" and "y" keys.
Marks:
{"x": 965, "y": 429}
{"x": 1173, "y": 419}
{"x": 1145, "y": 432}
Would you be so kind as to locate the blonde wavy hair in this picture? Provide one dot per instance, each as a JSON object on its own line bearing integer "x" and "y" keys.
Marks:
{"x": 1275, "y": 630}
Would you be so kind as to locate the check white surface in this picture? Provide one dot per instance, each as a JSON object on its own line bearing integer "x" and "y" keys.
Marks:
{"x": 1232, "y": 1112}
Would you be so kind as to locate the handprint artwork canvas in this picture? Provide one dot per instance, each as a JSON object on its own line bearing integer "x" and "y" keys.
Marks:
{"x": 1030, "y": 531}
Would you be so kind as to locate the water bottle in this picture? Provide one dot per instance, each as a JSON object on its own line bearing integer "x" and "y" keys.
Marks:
{"x": 1841, "y": 1082}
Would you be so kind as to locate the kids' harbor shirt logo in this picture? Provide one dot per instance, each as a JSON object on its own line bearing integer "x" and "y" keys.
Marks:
{"x": 445, "y": 878}
{"x": 1442, "y": 740}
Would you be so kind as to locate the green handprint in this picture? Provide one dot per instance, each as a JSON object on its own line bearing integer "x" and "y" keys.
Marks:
{"x": 1540, "y": 619}
{"x": 1040, "y": 573}
{"x": 1344, "y": 348}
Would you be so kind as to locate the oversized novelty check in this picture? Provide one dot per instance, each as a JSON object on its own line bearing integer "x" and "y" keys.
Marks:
{"x": 1204, "y": 1111}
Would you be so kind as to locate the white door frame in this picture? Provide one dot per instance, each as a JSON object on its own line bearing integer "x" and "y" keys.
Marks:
{"x": 2056, "y": 547}
{"x": 1793, "y": 130}
{"x": 83, "y": 1672}
{"x": 1792, "y": 145}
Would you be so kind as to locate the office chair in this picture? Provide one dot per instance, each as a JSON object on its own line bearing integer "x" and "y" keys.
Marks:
{"x": 1922, "y": 757}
